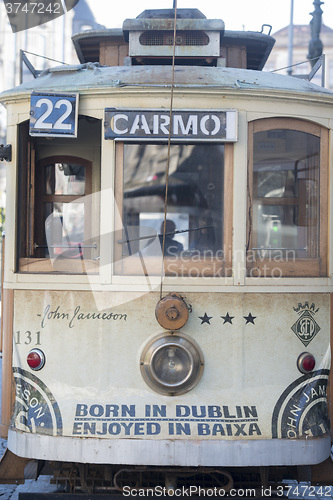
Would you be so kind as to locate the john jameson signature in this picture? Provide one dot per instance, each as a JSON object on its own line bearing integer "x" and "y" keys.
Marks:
{"x": 77, "y": 315}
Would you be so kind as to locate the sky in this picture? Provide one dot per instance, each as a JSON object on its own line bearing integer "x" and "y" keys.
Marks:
{"x": 237, "y": 14}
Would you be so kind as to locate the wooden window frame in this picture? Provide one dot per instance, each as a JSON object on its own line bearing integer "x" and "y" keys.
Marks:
{"x": 300, "y": 267}
{"x": 35, "y": 262}
{"x": 206, "y": 267}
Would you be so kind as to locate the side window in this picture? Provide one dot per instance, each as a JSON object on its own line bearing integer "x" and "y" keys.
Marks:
{"x": 197, "y": 238}
{"x": 287, "y": 199}
{"x": 62, "y": 207}
{"x": 58, "y": 215}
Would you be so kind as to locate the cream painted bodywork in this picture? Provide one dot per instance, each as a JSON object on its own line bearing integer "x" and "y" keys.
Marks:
{"x": 92, "y": 370}
{"x": 95, "y": 362}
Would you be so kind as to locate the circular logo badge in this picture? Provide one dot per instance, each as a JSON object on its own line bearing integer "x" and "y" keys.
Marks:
{"x": 302, "y": 408}
{"x": 35, "y": 409}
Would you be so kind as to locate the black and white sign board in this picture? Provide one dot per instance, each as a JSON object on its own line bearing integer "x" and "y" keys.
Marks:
{"x": 182, "y": 125}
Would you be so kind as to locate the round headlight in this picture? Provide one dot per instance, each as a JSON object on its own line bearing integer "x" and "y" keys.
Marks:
{"x": 172, "y": 364}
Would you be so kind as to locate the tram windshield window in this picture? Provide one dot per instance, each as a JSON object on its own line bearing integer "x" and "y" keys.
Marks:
{"x": 287, "y": 202}
{"x": 195, "y": 232}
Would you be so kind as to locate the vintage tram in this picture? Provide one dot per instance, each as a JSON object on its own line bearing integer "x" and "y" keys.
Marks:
{"x": 167, "y": 291}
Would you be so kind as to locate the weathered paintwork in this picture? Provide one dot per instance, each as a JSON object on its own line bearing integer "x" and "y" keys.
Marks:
{"x": 84, "y": 77}
{"x": 91, "y": 386}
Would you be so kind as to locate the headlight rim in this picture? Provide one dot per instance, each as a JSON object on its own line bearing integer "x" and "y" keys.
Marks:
{"x": 181, "y": 341}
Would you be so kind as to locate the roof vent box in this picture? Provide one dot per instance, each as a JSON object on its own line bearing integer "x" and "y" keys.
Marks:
{"x": 152, "y": 34}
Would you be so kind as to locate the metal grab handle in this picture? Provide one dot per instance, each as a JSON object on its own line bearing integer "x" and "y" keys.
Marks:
{"x": 279, "y": 248}
{"x": 74, "y": 245}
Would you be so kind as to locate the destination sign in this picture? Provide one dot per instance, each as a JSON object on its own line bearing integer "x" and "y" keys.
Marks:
{"x": 53, "y": 114}
{"x": 157, "y": 125}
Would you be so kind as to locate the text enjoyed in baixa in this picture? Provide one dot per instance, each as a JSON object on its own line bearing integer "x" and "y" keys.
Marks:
{"x": 151, "y": 420}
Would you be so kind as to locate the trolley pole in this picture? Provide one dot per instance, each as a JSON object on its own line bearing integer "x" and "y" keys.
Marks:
{"x": 291, "y": 38}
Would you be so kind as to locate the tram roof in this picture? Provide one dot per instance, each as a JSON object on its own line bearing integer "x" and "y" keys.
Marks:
{"x": 192, "y": 26}
{"x": 258, "y": 45}
{"x": 93, "y": 78}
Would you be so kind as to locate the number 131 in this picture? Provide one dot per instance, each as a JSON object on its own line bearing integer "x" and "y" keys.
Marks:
{"x": 27, "y": 338}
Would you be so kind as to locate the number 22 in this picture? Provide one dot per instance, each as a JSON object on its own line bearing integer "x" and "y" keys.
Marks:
{"x": 59, "y": 123}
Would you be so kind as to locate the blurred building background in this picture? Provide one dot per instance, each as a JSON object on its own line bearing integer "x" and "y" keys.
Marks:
{"x": 301, "y": 66}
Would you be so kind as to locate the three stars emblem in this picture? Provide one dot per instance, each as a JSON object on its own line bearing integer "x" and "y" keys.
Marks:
{"x": 249, "y": 319}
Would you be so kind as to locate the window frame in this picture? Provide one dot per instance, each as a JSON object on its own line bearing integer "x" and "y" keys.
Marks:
{"x": 35, "y": 262}
{"x": 205, "y": 267}
{"x": 300, "y": 267}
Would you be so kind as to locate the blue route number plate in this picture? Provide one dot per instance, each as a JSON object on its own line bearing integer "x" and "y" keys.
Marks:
{"x": 53, "y": 114}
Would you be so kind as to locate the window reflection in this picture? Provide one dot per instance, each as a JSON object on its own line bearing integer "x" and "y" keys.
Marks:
{"x": 286, "y": 194}
{"x": 64, "y": 178}
{"x": 194, "y": 204}
{"x": 64, "y": 217}
{"x": 64, "y": 233}
{"x": 64, "y": 229}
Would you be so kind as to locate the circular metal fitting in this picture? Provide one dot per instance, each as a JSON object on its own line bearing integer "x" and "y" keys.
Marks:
{"x": 172, "y": 312}
{"x": 306, "y": 362}
{"x": 36, "y": 359}
{"x": 172, "y": 364}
